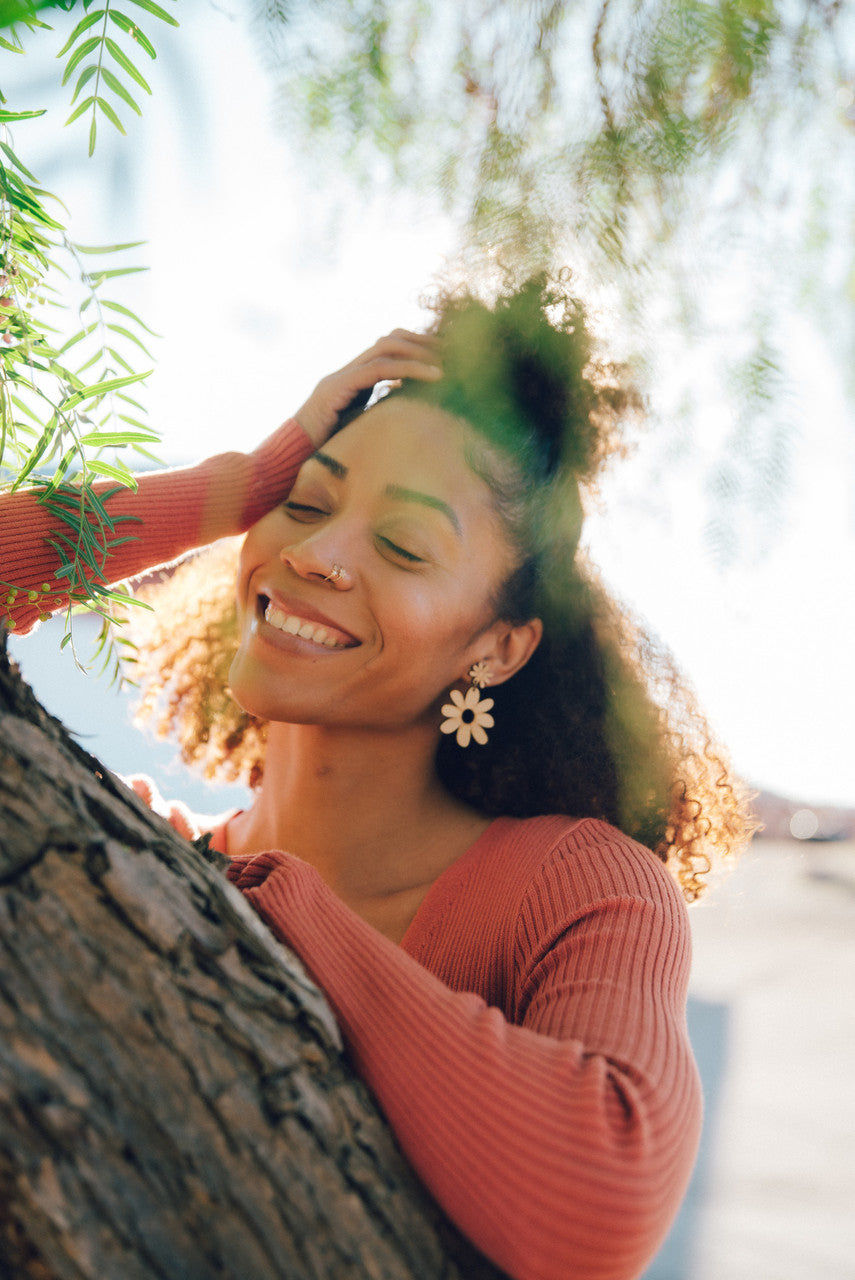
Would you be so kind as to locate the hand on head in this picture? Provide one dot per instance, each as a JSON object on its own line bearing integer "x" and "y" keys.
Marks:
{"x": 398, "y": 355}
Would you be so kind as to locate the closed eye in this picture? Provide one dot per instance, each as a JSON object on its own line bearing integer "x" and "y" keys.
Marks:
{"x": 302, "y": 510}
{"x": 399, "y": 551}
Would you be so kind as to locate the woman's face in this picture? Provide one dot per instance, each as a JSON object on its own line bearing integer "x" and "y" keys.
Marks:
{"x": 392, "y": 500}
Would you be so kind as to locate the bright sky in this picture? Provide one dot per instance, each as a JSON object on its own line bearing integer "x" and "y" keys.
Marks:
{"x": 257, "y": 294}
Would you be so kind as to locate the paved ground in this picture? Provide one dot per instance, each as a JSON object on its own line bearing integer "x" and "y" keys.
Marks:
{"x": 772, "y": 1017}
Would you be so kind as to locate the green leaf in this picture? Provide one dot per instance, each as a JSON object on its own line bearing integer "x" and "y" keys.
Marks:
{"x": 97, "y": 390}
{"x": 82, "y": 51}
{"x": 79, "y": 110}
{"x": 64, "y": 464}
{"x": 116, "y": 85}
{"x": 97, "y": 278}
{"x": 121, "y": 395}
{"x": 85, "y": 76}
{"x": 78, "y": 337}
{"x": 113, "y": 439}
{"x": 93, "y": 359}
{"x": 23, "y": 407}
{"x": 125, "y": 63}
{"x": 110, "y": 114}
{"x": 61, "y": 541}
{"x": 121, "y": 20}
{"x": 121, "y": 597}
{"x": 117, "y": 472}
{"x": 132, "y": 337}
{"x": 12, "y": 11}
{"x": 83, "y": 25}
{"x": 92, "y": 134}
{"x": 120, "y": 359}
{"x": 10, "y": 117}
{"x": 125, "y": 311}
{"x": 44, "y": 443}
{"x": 13, "y": 159}
{"x": 84, "y": 551}
{"x": 151, "y": 7}
{"x": 146, "y": 453}
{"x": 108, "y": 248}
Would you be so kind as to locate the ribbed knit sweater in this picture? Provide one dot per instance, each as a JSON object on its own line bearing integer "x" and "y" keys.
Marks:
{"x": 527, "y": 1039}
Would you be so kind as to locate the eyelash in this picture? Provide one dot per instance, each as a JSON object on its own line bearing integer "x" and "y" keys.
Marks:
{"x": 399, "y": 551}
{"x": 294, "y": 508}
{"x": 298, "y": 509}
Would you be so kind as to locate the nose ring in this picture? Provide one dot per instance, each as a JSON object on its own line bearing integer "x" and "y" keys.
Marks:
{"x": 335, "y": 574}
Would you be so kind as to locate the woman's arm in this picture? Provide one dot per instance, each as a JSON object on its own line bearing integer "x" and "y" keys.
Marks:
{"x": 173, "y": 512}
{"x": 561, "y": 1146}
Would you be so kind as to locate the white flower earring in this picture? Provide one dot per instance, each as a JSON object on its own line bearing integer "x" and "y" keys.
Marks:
{"x": 467, "y": 714}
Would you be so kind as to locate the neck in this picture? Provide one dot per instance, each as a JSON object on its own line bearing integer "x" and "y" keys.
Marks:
{"x": 366, "y": 809}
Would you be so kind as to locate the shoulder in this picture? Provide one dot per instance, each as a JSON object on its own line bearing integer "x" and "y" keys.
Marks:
{"x": 544, "y": 909}
{"x": 588, "y": 855}
{"x": 535, "y": 882}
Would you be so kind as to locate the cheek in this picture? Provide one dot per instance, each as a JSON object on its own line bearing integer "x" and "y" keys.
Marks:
{"x": 244, "y": 569}
{"x": 261, "y": 542}
{"x": 262, "y": 537}
{"x": 430, "y": 629}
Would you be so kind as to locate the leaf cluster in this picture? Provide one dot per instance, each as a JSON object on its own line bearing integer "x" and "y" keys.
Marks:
{"x": 70, "y": 354}
{"x": 103, "y": 63}
{"x": 657, "y": 147}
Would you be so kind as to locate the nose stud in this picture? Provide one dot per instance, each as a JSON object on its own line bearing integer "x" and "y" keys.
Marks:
{"x": 335, "y": 574}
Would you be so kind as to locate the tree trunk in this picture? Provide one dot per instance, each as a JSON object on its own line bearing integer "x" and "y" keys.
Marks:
{"x": 174, "y": 1101}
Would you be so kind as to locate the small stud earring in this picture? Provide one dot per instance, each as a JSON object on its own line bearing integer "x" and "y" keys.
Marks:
{"x": 467, "y": 714}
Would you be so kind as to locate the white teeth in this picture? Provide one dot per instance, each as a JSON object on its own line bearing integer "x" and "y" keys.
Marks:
{"x": 296, "y": 626}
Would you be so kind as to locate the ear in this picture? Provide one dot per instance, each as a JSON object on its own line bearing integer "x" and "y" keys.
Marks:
{"x": 506, "y": 649}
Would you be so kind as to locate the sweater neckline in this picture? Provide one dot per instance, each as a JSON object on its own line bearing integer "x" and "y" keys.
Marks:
{"x": 439, "y": 893}
{"x": 447, "y": 883}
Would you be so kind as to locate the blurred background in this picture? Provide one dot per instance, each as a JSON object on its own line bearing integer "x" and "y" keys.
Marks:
{"x": 302, "y": 175}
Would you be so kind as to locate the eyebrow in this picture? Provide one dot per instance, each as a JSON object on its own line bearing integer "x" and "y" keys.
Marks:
{"x": 339, "y": 470}
{"x": 426, "y": 500}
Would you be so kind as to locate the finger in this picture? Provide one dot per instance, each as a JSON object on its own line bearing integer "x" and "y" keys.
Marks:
{"x": 386, "y": 368}
{"x": 237, "y": 866}
{"x": 400, "y": 344}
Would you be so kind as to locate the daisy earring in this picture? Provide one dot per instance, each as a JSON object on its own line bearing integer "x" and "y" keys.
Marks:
{"x": 467, "y": 714}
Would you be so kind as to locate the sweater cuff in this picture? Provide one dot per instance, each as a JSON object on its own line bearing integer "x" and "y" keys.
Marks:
{"x": 275, "y": 463}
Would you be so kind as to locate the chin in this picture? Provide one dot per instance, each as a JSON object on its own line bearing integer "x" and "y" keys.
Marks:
{"x": 248, "y": 688}
{"x": 258, "y": 694}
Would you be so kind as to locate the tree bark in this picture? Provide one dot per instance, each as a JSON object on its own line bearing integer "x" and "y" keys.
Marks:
{"x": 174, "y": 1098}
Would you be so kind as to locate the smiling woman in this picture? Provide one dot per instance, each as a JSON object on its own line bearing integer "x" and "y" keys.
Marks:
{"x": 446, "y": 722}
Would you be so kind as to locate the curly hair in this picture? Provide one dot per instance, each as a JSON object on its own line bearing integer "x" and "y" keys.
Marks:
{"x": 599, "y": 722}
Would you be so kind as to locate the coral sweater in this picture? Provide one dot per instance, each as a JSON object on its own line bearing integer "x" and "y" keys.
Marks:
{"x": 527, "y": 1040}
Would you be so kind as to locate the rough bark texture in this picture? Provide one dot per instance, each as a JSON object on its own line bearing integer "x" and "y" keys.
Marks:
{"x": 174, "y": 1101}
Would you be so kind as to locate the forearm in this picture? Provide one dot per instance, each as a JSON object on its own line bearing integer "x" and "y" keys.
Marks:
{"x": 173, "y": 512}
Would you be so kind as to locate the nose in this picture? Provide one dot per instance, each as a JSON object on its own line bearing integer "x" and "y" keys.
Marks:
{"x": 318, "y": 558}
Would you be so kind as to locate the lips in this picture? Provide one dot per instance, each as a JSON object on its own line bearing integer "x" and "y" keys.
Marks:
{"x": 294, "y": 618}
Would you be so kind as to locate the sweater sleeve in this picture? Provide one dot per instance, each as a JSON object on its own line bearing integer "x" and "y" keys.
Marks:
{"x": 561, "y": 1144}
{"x": 172, "y": 512}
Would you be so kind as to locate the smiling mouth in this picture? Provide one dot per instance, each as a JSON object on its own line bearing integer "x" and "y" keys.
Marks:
{"x": 294, "y": 625}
